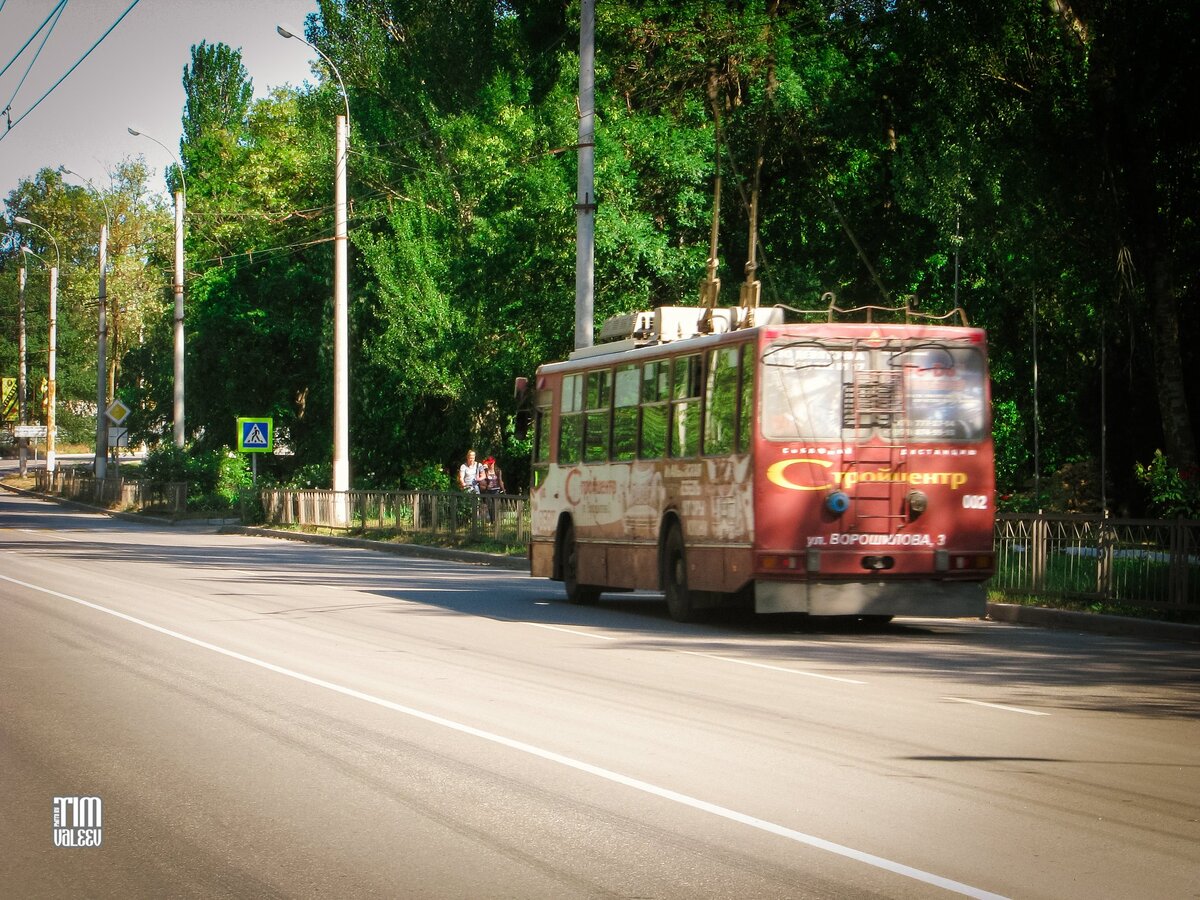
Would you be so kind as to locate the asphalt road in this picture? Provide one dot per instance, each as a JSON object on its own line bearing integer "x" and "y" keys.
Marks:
{"x": 262, "y": 718}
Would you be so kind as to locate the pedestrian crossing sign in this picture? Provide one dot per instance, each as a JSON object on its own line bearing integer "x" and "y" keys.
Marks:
{"x": 256, "y": 435}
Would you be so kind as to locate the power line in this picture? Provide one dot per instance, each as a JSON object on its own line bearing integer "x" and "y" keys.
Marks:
{"x": 57, "y": 15}
{"x": 11, "y": 125}
{"x": 37, "y": 31}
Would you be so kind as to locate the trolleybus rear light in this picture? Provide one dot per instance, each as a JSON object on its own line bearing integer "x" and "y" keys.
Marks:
{"x": 971, "y": 561}
{"x": 779, "y": 562}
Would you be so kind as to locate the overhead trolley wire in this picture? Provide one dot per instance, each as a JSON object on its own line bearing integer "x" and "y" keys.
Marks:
{"x": 37, "y": 31}
{"x": 99, "y": 40}
{"x": 56, "y": 14}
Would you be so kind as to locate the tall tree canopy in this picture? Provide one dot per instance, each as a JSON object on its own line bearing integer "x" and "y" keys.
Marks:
{"x": 1033, "y": 161}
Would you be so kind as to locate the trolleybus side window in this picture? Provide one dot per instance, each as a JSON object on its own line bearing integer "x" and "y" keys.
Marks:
{"x": 746, "y": 389}
{"x": 655, "y": 394}
{"x": 625, "y": 412}
{"x": 570, "y": 422}
{"x": 541, "y": 436}
{"x": 720, "y": 409}
{"x": 686, "y": 385}
{"x": 597, "y": 419}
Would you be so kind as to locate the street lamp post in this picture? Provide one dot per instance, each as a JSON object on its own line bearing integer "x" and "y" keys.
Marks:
{"x": 180, "y": 198}
{"x": 101, "y": 464}
{"x": 22, "y": 386}
{"x": 52, "y": 339}
{"x": 341, "y": 366}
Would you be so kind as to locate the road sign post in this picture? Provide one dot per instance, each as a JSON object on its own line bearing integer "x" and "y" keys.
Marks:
{"x": 255, "y": 435}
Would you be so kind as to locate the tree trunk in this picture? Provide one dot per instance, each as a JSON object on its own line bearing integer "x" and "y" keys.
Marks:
{"x": 1168, "y": 363}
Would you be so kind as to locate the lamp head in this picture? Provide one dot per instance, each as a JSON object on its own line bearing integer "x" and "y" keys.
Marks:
{"x": 22, "y": 220}
{"x": 134, "y": 133}
{"x": 283, "y": 32}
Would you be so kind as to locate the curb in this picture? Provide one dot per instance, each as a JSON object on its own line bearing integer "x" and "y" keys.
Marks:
{"x": 115, "y": 513}
{"x": 1093, "y": 623}
{"x": 417, "y": 550}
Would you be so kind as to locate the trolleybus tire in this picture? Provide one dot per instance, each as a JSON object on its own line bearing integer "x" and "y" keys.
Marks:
{"x": 680, "y": 602}
{"x": 582, "y": 594}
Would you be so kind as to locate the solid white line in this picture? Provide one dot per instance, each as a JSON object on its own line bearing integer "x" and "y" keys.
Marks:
{"x": 586, "y": 634}
{"x": 549, "y": 755}
{"x": 1016, "y": 709}
{"x": 746, "y": 662}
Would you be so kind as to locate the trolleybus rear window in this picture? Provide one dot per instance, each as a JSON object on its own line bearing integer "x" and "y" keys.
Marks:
{"x": 818, "y": 390}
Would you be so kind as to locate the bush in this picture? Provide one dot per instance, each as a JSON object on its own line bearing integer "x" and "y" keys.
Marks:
{"x": 215, "y": 478}
{"x": 1174, "y": 494}
{"x": 166, "y": 464}
{"x": 430, "y": 477}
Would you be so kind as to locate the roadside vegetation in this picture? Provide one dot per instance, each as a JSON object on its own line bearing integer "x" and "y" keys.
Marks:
{"x": 1034, "y": 162}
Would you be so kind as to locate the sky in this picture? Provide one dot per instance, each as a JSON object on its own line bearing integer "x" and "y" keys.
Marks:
{"x": 132, "y": 79}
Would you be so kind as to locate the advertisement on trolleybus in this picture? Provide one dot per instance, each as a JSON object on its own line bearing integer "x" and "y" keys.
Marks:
{"x": 834, "y": 469}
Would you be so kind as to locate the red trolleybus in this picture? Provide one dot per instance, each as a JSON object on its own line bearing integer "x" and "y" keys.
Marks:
{"x": 838, "y": 468}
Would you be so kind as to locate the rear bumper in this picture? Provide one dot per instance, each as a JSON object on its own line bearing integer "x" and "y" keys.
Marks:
{"x": 941, "y": 599}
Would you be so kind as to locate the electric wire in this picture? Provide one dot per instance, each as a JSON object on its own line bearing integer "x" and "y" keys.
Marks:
{"x": 37, "y": 53}
{"x": 37, "y": 31}
{"x": 12, "y": 125}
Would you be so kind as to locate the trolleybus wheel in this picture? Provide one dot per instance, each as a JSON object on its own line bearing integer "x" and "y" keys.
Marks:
{"x": 680, "y": 603}
{"x": 576, "y": 592}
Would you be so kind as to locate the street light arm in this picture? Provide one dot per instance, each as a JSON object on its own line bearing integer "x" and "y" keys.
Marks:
{"x": 57, "y": 256}
{"x": 173, "y": 156}
{"x": 97, "y": 192}
{"x": 283, "y": 32}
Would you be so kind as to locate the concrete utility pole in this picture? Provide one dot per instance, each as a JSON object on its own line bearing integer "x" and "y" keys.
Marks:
{"x": 178, "y": 431}
{"x": 22, "y": 386}
{"x": 51, "y": 368}
{"x": 52, "y": 373}
{"x": 101, "y": 464}
{"x": 341, "y": 340}
{"x": 52, "y": 361}
{"x": 101, "y": 363}
{"x": 585, "y": 192}
{"x": 177, "y": 423}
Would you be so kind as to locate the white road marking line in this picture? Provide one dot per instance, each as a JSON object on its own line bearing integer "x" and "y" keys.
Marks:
{"x": 746, "y": 662}
{"x": 598, "y": 637}
{"x": 799, "y": 837}
{"x": 1016, "y": 709}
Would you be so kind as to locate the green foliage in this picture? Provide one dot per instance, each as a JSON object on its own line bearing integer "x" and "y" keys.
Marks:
{"x": 1033, "y": 165}
{"x": 1173, "y": 493}
{"x": 215, "y": 478}
{"x": 167, "y": 463}
{"x": 430, "y": 477}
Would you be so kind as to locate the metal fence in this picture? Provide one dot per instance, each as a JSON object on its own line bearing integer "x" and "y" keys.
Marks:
{"x": 1136, "y": 562}
{"x": 1139, "y": 562}
{"x": 114, "y": 493}
{"x": 468, "y": 517}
